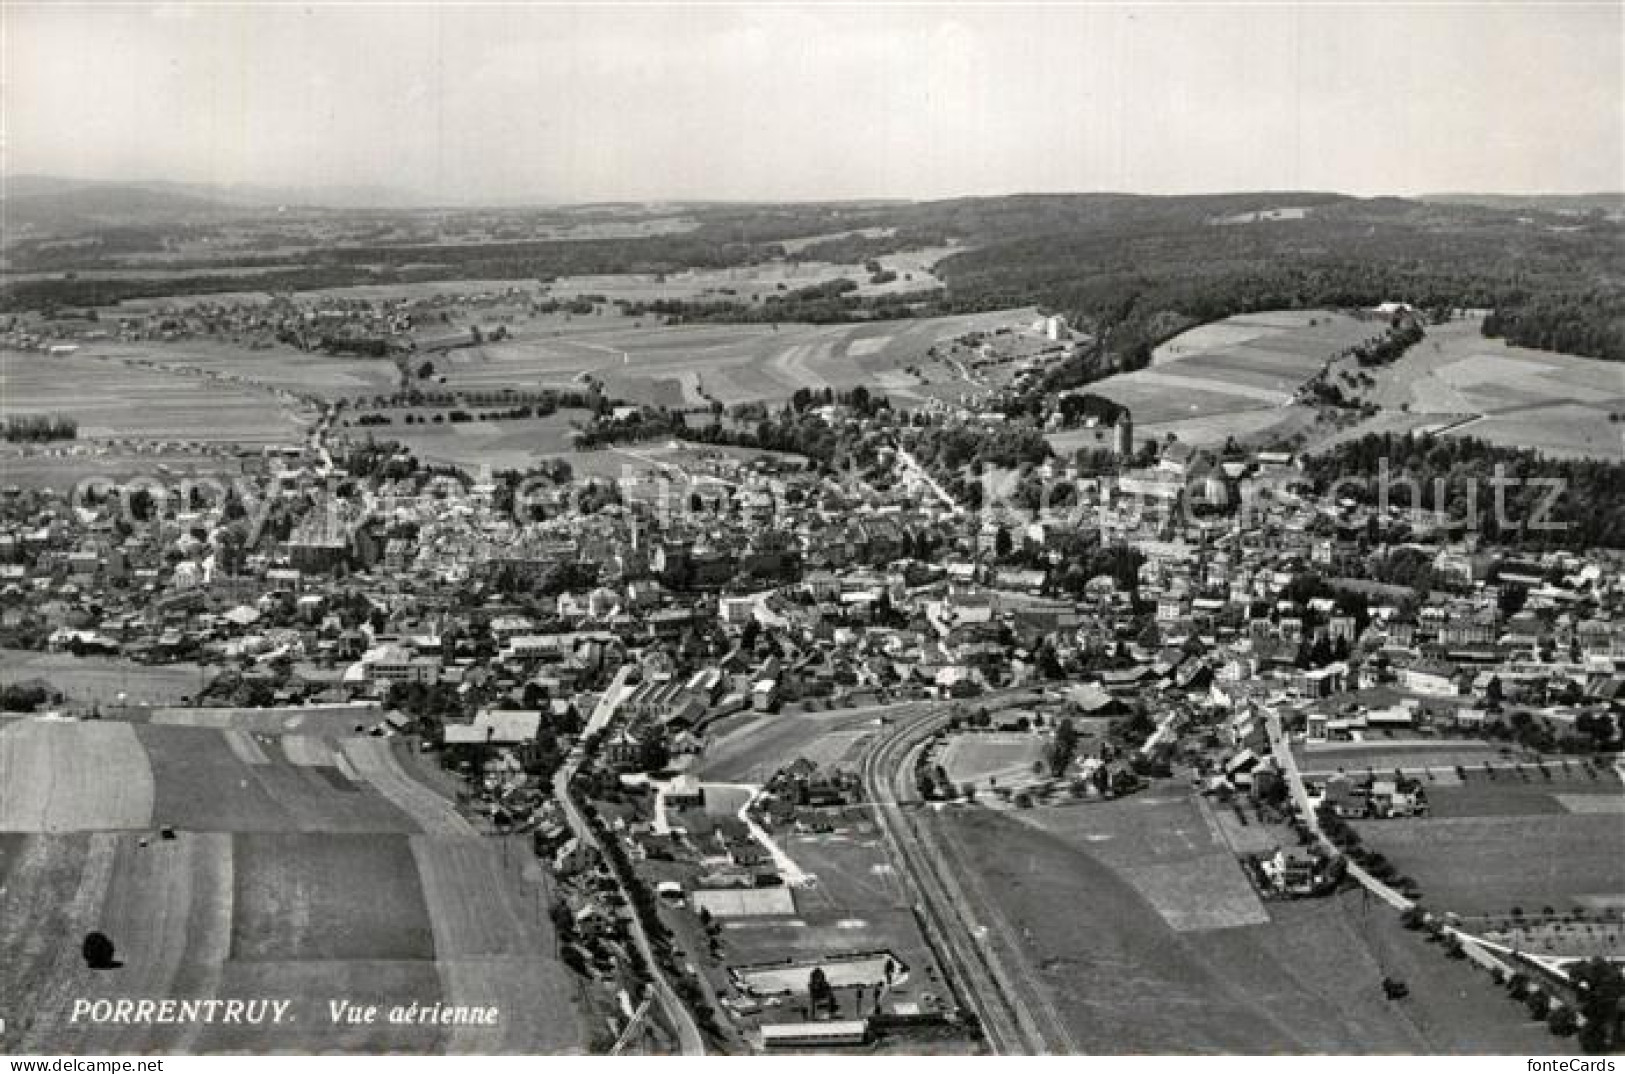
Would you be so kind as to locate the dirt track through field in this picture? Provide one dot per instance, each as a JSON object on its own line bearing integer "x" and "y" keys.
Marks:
{"x": 203, "y": 784}
{"x": 376, "y": 764}
{"x": 243, "y": 745}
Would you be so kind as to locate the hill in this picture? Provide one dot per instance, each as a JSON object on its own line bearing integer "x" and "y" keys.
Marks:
{"x": 77, "y": 207}
{"x": 1568, "y": 204}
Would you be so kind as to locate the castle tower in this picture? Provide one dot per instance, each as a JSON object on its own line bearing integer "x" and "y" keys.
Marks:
{"x": 1123, "y": 434}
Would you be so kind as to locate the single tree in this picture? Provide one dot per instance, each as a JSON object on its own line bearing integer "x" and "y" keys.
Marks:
{"x": 98, "y": 951}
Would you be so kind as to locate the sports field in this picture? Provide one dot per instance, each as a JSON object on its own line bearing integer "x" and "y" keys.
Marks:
{"x": 856, "y": 905}
{"x": 284, "y": 879}
{"x": 978, "y": 759}
{"x": 867, "y": 969}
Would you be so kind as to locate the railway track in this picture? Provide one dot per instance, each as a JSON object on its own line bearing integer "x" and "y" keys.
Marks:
{"x": 980, "y": 980}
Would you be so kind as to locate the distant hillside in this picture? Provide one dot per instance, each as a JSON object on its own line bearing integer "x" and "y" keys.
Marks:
{"x": 100, "y": 204}
{"x": 1133, "y": 270}
{"x": 1128, "y": 270}
{"x": 57, "y": 204}
{"x": 1611, "y": 204}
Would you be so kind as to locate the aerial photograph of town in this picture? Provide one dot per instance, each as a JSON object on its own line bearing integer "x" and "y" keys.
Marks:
{"x": 953, "y": 530}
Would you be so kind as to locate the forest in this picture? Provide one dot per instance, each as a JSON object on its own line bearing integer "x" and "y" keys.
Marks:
{"x": 1508, "y": 496}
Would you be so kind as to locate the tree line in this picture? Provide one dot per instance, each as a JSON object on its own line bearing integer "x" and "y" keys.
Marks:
{"x": 1545, "y": 502}
{"x": 39, "y": 428}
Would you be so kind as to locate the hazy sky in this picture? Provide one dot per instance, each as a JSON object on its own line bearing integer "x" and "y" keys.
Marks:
{"x": 822, "y": 101}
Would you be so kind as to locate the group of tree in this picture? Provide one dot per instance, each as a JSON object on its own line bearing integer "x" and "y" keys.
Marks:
{"x": 949, "y": 449}
{"x": 28, "y": 696}
{"x": 1405, "y": 333}
{"x": 1063, "y": 747}
{"x": 39, "y": 428}
{"x": 1507, "y": 495}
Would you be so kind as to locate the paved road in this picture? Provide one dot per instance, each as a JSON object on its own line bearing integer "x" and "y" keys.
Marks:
{"x": 966, "y": 948}
{"x": 1473, "y": 947}
{"x": 678, "y": 1016}
{"x": 912, "y": 464}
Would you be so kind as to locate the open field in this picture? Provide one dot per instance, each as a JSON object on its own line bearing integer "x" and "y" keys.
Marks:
{"x": 334, "y": 721}
{"x": 1232, "y": 332}
{"x": 305, "y": 917}
{"x": 501, "y": 445}
{"x": 1304, "y": 980}
{"x": 1509, "y": 794}
{"x": 395, "y": 290}
{"x": 205, "y": 785}
{"x": 168, "y": 909}
{"x": 224, "y": 391}
{"x": 1396, "y": 422}
{"x": 1214, "y": 429}
{"x": 1579, "y": 939}
{"x": 1239, "y": 366}
{"x": 312, "y": 985}
{"x": 374, "y": 759}
{"x": 327, "y": 896}
{"x": 1489, "y": 864}
{"x": 753, "y": 283}
{"x": 68, "y": 776}
{"x": 1337, "y": 950}
{"x": 64, "y": 465}
{"x": 1556, "y": 403}
{"x": 694, "y": 364}
{"x": 280, "y": 366}
{"x": 1561, "y": 430}
{"x": 1166, "y": 848}
{"x": 109, "y": 775}
{"x": 1386, "y": 755}
{"x": 1236, "y": 378}
{"x": 109, "y": 398}
{"x": 1121, "y": 978}
{"x": 85, "y": 680}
